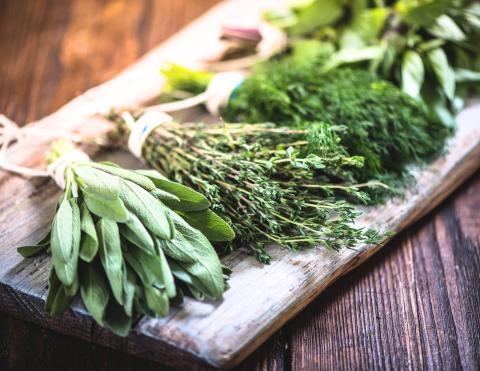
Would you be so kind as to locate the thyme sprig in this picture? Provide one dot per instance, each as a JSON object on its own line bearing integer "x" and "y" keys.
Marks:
{"x": 275, "y": 185}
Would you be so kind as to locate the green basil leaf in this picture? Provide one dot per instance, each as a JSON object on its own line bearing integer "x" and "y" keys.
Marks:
{"x": 113, "y": 209}
{"x": 150, "y": 211}
{"x": 445, "y": 75}
{"x": 353, "y": 55}
{"x": 89, "y": 241}
{"x": 110, "y": 252}
{"x": 210, "y": 224}
{"x": 189, "y": 200}
{"x": 94, "y": 291}
{"x": 424, "y": 13}
{"x": 464, "y": 75}
{"x": 157, "y": 300}
{"x": 413, "y": 73}
{"x": 28, "y": 251}
{"x": 94, "y": 181}
{"x": 445, "y": 28}
{"x": 315, "y": 15}
{"x": 135, "y": 232}
{"x": 117, "y": 320}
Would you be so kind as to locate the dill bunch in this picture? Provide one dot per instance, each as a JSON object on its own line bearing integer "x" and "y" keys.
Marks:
{"x": 274, "y": 185}
{"x": 382, "y": 124}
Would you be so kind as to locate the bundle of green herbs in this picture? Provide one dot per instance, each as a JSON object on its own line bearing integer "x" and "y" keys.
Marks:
{"x": 371, "y": 117}
{"x": 286, "y": 186}
{"x": 429, "y": 48}
{"x": 129, "y": 243}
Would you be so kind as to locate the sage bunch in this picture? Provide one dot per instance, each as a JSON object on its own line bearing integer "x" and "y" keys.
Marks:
{"x": 129, "y": 243}
{"x": 274, "y": 185}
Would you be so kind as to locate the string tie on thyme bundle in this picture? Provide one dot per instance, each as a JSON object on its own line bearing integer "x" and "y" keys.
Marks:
{"x": 140, "y": 129}
{"x": 218, "y": 93}
{"x": 11, "y": 132}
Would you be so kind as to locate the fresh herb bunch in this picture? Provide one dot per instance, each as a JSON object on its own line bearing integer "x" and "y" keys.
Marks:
{"x": 372, "y": 117}
{"x": 428, "y": 48}
{"x": 130, "y": 243}
{"x": 382, "y": 124}
{"x": 274, "y": 185}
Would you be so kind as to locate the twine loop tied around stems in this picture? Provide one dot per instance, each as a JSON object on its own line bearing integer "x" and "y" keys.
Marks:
{"x": 140, "y": 129}
{"x": 216, "y": 96}
{"x": 10, "y": 132}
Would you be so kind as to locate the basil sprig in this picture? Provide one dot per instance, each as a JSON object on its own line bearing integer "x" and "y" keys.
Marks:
{"x": 129, "y": 243}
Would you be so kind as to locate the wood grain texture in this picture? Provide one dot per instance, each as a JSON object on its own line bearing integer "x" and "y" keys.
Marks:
{"x": 299, "y": 356}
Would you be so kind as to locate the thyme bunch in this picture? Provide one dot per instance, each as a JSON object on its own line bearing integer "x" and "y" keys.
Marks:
{"x": 274, "y": 185}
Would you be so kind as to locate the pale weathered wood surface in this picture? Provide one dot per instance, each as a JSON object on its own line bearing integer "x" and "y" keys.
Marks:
{"x": 204, "y": 335}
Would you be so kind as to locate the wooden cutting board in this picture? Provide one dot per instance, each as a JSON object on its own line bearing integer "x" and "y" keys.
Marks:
{"x": 261, "y": 298}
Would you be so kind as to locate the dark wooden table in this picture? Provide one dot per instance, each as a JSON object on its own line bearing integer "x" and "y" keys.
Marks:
{"x": 415, "y": 305}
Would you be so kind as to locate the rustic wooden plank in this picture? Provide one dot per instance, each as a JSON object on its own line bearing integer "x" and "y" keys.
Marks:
{"x": 413, "y": 306}
{"x": 217, "y": 334}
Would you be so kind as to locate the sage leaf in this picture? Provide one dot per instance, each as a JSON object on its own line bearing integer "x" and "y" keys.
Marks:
{"x": 128, "y": 290}
{"x": 117, "y": 320}
{"x": 178, "y": 248}
{"x": 208, "y": 269}
{"x": 130, "y": 175}
{"x": 28, "y": 251}
{"x": 210, "y": 224}
{"x": 167, "y": 276}
{"x": 65, "y": 249}
{"x": 113, "y": 209}
{"x": 94, "y": 291}
{"x": 96, "y": 182}
{"x": 57, "y": 299}
{"x": 62, "y": 232}
{"x": 72, "y": 289}
{"x": 445, "y": 75}
{"x": 157, "y": 300}
{"x": 146, "y": 266}
{"x": 189, "y": 200}
{"x": 135, "y": 232}
{"x": 110, "y": 252}
{"x": 89, "y": 242}
{"x": 150, "y": 211}
{"x": 413, "y": 73}
{"x": 164, "y": 196}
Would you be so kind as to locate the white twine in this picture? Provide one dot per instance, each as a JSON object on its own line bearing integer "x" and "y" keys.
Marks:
{"x": 56, "y": 169}
{"x": 141, "y": 129}
{"x": 10, "y": 133}
{"x": 216, "y": 96}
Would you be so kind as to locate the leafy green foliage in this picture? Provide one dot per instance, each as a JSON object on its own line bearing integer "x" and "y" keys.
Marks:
{"x": 107, "y": 242}
{"x": 372, "y": 118}
{"x": 417, "y": 45}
